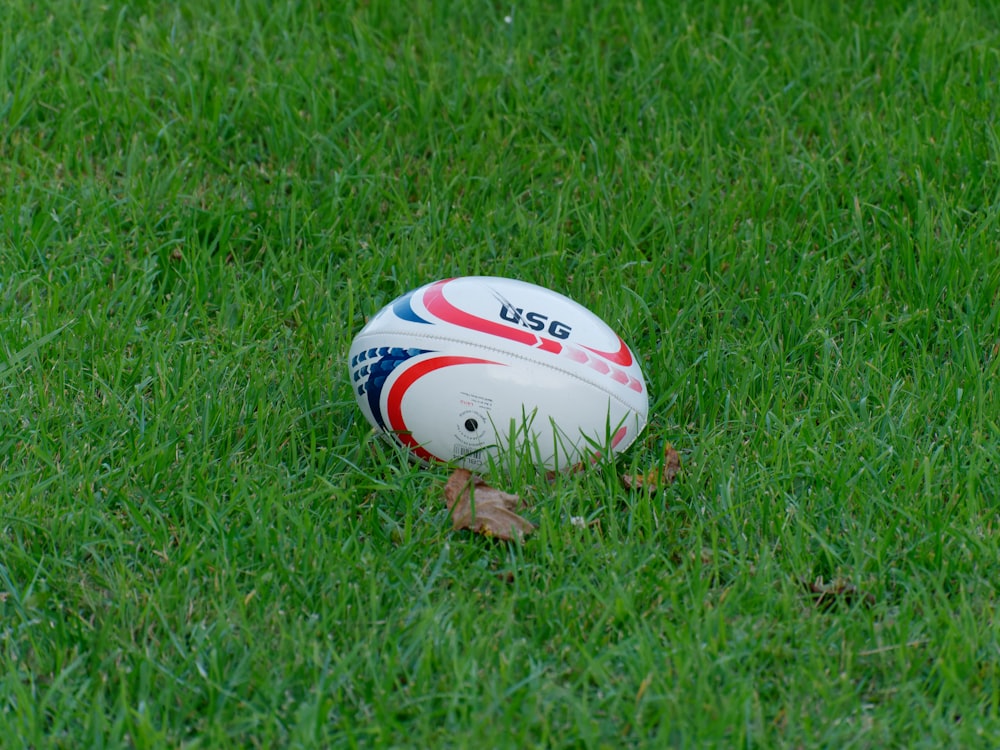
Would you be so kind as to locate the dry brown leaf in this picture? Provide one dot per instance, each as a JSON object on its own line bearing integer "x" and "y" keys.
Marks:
{"x": 654, "y": 479}
{"x": 576, "y": 468}
{"x": 486, "y": 510}
{"x": 826, "y": 595}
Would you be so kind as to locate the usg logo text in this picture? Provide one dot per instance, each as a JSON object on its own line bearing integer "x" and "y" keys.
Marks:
{"x": 534, "y": 321}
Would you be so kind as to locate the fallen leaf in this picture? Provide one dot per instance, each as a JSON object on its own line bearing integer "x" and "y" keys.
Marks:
{"x": 826, "y": 595}
{"x": 486, "y": 510}
{"x": 574, "y": 469}
{"x": 652, "y": 480}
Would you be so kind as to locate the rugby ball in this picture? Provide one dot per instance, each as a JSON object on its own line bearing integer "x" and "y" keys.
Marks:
{"x": 469, "y": 368}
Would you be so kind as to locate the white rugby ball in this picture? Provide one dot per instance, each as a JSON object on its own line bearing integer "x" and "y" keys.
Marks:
{"x": 467, "y": 368}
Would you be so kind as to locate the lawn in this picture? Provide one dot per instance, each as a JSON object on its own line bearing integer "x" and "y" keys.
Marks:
{"x": 788, "y": 210}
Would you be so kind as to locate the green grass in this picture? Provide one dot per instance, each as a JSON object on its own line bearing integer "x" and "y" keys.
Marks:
{"x": 789, "y": 210}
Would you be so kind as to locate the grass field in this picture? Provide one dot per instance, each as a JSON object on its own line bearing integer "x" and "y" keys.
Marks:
{"x": 788, "y": 209}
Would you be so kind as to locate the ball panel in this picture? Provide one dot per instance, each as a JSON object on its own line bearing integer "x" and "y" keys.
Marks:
{"x": 521, "y": 312}
{"x": 429, "y": 403}
{"x": 459, "y": 310}
{"x": 476, "y": 417}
